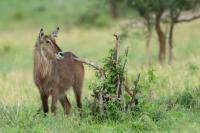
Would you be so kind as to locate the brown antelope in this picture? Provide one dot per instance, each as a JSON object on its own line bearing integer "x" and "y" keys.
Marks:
{"x": 55, "y": 72}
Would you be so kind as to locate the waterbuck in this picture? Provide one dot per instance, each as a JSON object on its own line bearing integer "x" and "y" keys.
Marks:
{"x": 55, "y": 72}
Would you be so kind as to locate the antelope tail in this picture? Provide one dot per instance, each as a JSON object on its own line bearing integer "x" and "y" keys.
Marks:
{"x": 89, "y": 63}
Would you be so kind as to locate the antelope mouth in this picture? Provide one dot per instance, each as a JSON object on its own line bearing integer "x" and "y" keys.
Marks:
{"x": 59, "y": 55}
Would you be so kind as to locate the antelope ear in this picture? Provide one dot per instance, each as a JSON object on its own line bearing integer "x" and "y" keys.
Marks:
{"x": 55, "y": 33}
{"x": 41, "y": 34}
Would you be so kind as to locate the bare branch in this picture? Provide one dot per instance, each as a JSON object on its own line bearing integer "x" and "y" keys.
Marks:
{"x": 100, "y": 102}
{"x": 134, "y": 101}
{"x": 127, "y": 88}
{"x": 126, "y": 56}
{"x": 117, "y": 37}
{"x": 134, "y": 24}
{"x": 136, "y": 82}
{"x": 188, "y": 18}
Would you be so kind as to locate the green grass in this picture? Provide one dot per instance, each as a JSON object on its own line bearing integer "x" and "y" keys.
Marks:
{"x": 169, "y": 103}
{"x": 24, "y": 13}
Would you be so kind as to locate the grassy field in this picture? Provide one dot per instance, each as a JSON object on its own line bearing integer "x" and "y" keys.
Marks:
{"x": 172, "y": 98}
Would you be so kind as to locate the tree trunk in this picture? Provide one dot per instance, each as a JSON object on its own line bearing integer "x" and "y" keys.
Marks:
{"x": 171, "y": 32}
{"x": 174, "y": 15}
{"x": 114, "y": 9}
{"x": 148, "y": 40}
{"x": 161, "y": 39}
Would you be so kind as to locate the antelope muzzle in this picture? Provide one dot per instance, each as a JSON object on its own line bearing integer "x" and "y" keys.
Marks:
{"x": 60, "y": 55}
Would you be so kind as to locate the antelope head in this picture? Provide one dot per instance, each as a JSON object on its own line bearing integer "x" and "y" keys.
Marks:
{"x": 48, "y": 46}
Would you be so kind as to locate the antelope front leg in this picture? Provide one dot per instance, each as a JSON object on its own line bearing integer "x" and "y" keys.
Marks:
{"x": 44, "y": 98}
{"x": 54, "y": 101}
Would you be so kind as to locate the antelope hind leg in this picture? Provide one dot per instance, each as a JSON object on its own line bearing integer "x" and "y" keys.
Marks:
{"x": 65, "y": 104}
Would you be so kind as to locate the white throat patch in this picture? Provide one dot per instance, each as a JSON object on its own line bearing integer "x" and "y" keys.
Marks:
{"x": 42, "y": 53}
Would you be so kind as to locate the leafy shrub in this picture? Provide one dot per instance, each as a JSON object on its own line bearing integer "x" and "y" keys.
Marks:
{"x": 109, "y": 85}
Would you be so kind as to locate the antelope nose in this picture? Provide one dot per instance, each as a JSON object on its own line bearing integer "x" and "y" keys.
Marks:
{"x": 61, "y": 54}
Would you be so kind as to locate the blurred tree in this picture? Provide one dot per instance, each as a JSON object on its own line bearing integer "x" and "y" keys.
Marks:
{"x": 155, "y": 12}
{"x": 159, "y": 8}
{"x": 143, "y": 7}
{"x": 116, "y": 7}
{"x": 177, "y": 9}
{"x": 152, "y": 11}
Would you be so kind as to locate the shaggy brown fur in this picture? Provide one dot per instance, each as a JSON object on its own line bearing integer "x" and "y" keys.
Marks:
{"x": 54, "y": 75}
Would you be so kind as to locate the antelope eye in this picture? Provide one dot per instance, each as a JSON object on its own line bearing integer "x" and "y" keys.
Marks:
{"x": 47, "y": 41}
